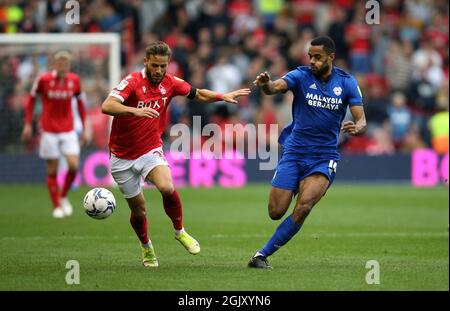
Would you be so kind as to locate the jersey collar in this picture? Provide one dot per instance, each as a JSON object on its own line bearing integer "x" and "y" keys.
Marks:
{"x": 55, "y": 75}
{"x": 144, "y": 76}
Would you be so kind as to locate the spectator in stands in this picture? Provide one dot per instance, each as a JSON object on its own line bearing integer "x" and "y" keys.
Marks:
{"x": 381, "y": 143}
{"x": 223, "y": 76}
{"x": 357, "y": 35}
{"x": 439, "y": 124}
{"x": 335, "y": 31}
{"x": 269, "y": 9}
{"x": 375, "y": 103}
{"x": 400, "y": 118}
{"x": 412, "y": 140}
{"x": 398, "y": 66}
{"x": 407, "y": 52}
{"x": 11, "y": 14}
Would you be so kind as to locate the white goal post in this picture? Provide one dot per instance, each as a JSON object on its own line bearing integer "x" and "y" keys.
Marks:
{"x": 111, "y": 39}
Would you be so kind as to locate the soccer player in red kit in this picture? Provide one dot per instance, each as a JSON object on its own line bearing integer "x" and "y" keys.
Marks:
{"x": 139, "y": 106}
{"x": 58, "y": 137}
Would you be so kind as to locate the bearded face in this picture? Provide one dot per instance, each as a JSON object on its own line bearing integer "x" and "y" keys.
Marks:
{"x": 156, "y": 67}
{"x": 319, "y": 60}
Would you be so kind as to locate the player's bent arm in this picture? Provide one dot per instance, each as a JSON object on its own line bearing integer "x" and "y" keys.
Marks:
{"x": 358, "y": 128}
{"x": 274, "y": 87}
{"x": 208, "y": 96}
{"x": 270, "y": 88}
{"x": 114, "y": 107}
{"x": 360, "y": 119}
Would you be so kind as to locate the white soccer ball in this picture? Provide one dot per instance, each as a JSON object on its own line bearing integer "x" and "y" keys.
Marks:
{"x": 99, "y": 203}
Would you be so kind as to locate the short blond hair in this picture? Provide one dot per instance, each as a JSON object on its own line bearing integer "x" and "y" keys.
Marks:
{"x": 63, "y": 54}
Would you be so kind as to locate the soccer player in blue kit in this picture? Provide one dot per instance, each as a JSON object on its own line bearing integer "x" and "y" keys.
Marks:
{"x": 309, "y": 159}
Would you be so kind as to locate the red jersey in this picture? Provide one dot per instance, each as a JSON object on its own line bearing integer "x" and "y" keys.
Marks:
{"x": 56, "y": 94}
{"x": 132, "y": 137}
{"x": 360, "y": 34}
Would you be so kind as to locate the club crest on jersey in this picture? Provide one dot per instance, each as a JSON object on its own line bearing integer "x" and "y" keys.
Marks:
{"x": 337, "y": 90}
{"x": 144, "y": 89}
{"x": 162, "y": 90}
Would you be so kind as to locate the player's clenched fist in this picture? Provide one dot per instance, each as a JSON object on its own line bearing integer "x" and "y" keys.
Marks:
{"x": 261, "y": 79}
{"x": 146, "y": 112}
{"x": 349, "y": 127}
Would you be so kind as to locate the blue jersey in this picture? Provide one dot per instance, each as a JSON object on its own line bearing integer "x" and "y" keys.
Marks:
{"x": 318, "y": 110}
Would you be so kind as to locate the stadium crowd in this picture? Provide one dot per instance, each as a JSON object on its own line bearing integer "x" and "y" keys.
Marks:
{"x": 401, "y": 63}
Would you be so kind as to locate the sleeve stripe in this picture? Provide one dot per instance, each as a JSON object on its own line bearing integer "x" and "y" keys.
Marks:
{"x": 117, "y": 96}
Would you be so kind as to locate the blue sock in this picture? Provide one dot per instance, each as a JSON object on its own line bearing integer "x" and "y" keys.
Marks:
{"x": 285, "y": 231}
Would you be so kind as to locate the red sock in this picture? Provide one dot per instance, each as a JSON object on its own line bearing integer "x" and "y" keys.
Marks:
{"x": 173, "y": 208}
{"x": 53, "y": 189}
{"x": 70, "y": 177}
{"x": 139, "y": 224}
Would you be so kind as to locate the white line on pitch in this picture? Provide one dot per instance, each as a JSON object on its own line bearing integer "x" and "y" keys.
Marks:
{"x": 226, "y": 236}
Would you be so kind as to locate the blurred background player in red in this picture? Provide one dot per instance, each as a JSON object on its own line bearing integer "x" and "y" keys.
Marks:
{"x": 58, "y": 138}
{"x": 139, "y": 105}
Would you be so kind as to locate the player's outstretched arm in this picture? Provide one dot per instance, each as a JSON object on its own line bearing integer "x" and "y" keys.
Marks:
{"x": 360, "y": 126}
{"x": 270, "y": 88}
{"x": 208, "y": 96}
{"x": 113, "y": 107}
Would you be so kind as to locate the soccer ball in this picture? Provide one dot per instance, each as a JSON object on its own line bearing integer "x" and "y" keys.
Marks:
{"x": 99, "y": 203}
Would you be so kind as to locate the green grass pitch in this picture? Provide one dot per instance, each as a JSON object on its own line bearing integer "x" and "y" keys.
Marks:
{"x": 404, "y": 229}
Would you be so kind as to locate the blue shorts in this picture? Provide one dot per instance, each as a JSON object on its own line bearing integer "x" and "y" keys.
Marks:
{"x": 293, "y": 168}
